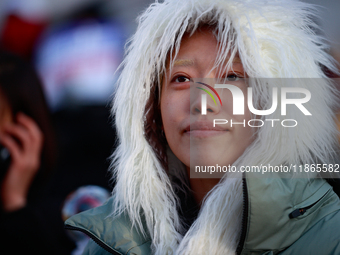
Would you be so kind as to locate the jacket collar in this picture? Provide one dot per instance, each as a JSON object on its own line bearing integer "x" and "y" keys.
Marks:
{"x": 114, "y": 234}
{"x": 269, "y": 222}
{"x": 274, "y": 220}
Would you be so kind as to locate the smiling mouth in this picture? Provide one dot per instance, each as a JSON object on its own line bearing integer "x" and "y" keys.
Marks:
{"x": 202, "y": 130}
{"x": 199, "y": 133}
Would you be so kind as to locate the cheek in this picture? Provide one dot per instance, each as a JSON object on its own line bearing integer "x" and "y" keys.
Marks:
{"x": 167, "y": 113}
{"x": 175, "y": 113}
{"x": 247, "y": 132}
{"x": 244, "y": 134}
{"x": 173, "y": 109}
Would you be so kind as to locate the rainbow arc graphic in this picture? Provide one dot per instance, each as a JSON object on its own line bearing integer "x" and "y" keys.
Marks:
{"x": 209, "y": 93}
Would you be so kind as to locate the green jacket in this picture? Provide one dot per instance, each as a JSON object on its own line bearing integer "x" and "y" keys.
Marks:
{"x": 280, "y": 216}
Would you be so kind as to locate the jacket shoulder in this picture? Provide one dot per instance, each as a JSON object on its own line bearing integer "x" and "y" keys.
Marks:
{"x": 322, "y": 238}
{"x": 115, "y": 235}
{"x": 93, "y": 248}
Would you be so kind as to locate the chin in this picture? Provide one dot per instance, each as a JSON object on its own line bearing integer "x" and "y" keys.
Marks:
{"x": 207, "y": 159}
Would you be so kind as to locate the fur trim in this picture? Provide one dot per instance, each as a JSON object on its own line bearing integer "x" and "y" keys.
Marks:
{"x": 274, "y": 39}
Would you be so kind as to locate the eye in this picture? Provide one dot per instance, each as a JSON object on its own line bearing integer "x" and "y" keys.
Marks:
{"x": 233, "y": 77}
{"x": 180, "y": 79}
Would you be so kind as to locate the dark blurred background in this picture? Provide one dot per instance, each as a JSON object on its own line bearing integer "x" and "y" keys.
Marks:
{"x": 75, "y": 46}
{"x": 23, "y": 22}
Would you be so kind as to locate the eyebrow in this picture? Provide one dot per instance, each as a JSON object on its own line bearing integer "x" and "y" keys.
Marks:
{"x": 184, "y": 62}
{"x": 190, "y": 62}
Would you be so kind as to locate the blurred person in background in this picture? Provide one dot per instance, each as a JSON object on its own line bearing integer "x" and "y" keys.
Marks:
{"x": 76, "y": 61}
{"x": 76, "y": 58}
{"x": 28, "y": 222}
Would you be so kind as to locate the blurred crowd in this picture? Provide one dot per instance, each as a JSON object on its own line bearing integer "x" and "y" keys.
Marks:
{"x": 58, "y": 62}
{"x": 58, "y": 67}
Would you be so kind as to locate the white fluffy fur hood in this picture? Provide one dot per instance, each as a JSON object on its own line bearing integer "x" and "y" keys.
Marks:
{"x": 274, "y": 39}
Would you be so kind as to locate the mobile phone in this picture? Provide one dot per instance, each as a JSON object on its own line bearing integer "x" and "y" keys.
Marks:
{"x": 5, "y": 160}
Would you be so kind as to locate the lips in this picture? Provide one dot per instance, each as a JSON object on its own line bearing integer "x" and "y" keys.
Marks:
{"x": 205, "y": 129}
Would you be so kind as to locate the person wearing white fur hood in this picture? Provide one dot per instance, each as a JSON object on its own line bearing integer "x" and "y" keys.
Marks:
{"x": 199, "y": 168}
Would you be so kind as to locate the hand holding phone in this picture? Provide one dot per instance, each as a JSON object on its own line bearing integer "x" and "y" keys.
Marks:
{"x": 24, "y": 141}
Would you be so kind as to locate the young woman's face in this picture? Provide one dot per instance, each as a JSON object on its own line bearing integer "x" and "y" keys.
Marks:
{"x": 188, "y": 132}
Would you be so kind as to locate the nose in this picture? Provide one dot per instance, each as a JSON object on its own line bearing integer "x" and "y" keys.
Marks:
{"x": 203, "y": 99}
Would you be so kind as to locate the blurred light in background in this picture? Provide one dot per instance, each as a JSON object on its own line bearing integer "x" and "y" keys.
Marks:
{"x": 76, "y": 45}
{"x": 77, "y": 62}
